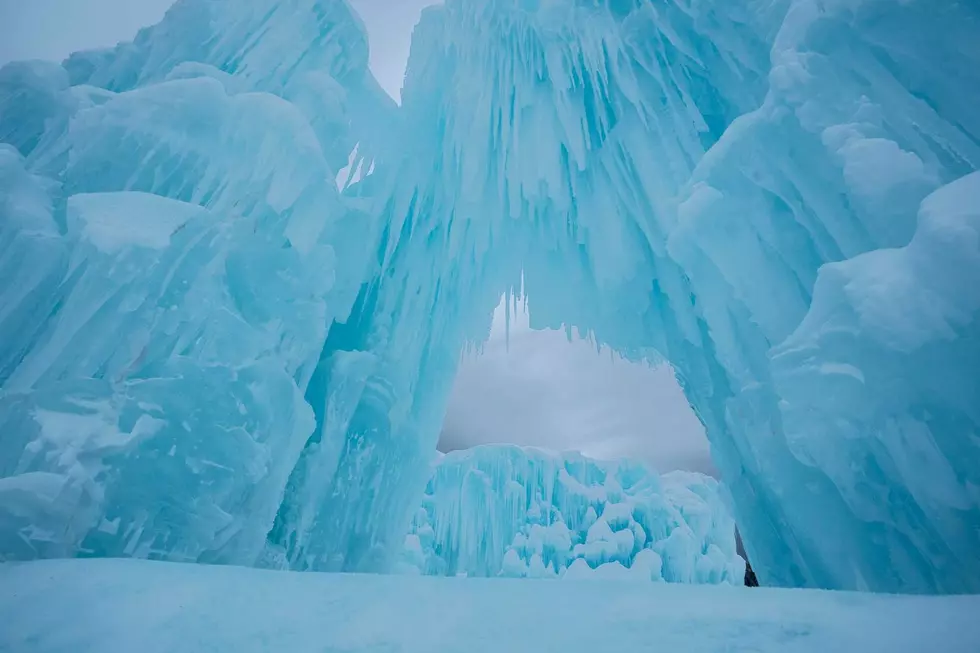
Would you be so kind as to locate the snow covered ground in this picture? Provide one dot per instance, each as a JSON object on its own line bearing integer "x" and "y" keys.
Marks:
{"x": 110, "y": 606}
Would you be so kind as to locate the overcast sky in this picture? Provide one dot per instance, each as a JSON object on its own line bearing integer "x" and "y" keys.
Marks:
{"x": 545, "y": 391}
{"x": 542, "y": 390}
{"x": 389, "y": 24}
{"x": 52, "y": 29}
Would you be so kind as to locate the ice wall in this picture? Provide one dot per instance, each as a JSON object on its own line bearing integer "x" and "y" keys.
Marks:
{"x": 883, "y": 369}
{"x": 503, "y": 510}
{"x": 173, "y": 249}
{"x": 208, "y": 353}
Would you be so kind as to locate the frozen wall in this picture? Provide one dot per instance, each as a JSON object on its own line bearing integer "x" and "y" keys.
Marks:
{"x": 208, "y": 353}
{"x": 173, "y": 248}
{"x": 503, "y": 510}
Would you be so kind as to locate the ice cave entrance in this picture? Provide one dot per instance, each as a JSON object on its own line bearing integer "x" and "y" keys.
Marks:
{"x": 567, "y": 459}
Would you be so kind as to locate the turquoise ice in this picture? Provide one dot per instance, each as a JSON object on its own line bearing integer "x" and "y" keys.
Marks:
{"x": 522, "y": 512}
{"x": 237, "y": 278}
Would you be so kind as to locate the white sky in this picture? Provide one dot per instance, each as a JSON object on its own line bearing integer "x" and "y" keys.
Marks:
{"x": 389, "y": 24}
{"x": 543, "y": 391}
{"x": 52, "y": 29}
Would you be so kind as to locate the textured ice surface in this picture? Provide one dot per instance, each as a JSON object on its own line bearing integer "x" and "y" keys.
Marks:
{"x": 171, "y": 265}
{"x": 502, "y": 510}
{"x": 675, "y": 177}
{"x": 208, "y": 352}
{"x": 117, "y": 606}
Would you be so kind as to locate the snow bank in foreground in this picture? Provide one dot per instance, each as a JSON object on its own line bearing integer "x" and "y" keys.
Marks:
{"x": 119, "y": 606}
{"x": 504, "y": 510}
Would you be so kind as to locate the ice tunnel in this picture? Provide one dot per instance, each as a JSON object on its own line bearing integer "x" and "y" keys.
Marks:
{"x": 210, "y": 353}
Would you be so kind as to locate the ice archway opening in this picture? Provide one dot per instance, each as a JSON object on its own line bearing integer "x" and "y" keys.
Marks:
{"x": 559, "y": 391}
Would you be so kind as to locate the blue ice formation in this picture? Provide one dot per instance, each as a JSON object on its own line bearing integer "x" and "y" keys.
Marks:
{"x": 208, "y": 352}
{"x": 503, "y": 510}
{"x": 174, "y": 249}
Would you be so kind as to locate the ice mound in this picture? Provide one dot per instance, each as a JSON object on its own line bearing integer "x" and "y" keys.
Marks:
{"x": 504, "y": 510}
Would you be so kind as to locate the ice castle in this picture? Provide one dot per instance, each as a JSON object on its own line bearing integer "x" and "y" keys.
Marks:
{"x": 236, "y": 279}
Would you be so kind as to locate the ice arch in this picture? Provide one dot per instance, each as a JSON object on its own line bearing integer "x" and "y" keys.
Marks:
{"x": 747, "y": 190}
{"x": 657, "y": 192}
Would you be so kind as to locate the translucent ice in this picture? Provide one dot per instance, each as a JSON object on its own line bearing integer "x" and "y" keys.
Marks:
{"x": 168, "y": 249}
{"x": 501, "y": 510}
{"x": 209, "y": 353}
{"x": 682, "y": 179}
{"x": 885, "y": 365}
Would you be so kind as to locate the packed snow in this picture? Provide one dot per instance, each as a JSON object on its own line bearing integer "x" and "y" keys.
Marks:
{"x": 120, "y": 606}
{"x": 210, "y": 353}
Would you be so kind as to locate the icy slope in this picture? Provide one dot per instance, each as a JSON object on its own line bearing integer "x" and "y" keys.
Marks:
{"x": 110, "y": 606}
{"x": 502, "y": 510}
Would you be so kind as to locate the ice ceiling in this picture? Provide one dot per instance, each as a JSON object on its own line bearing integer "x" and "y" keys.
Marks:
{"x": 210, "y": 354}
